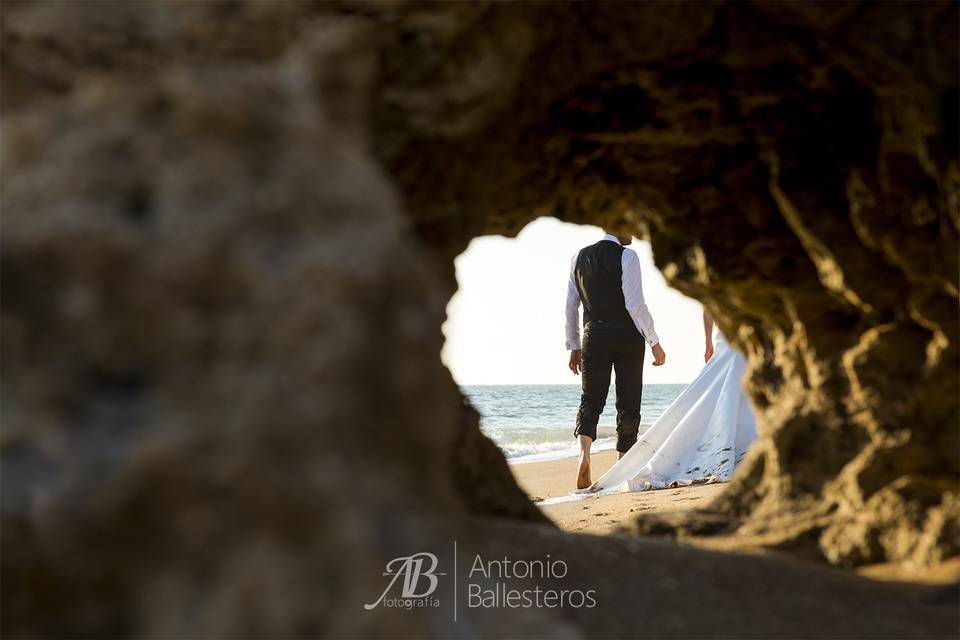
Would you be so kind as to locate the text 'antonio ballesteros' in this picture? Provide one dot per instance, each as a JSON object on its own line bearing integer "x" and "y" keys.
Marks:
{"x": 523, "y": 584}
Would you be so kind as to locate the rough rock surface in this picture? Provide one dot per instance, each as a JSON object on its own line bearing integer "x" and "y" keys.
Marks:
{"x": 221, "y": 320}
{"x": 180, "y": 277}
{"x": 794, "y": 167}
{"x": 221, "y": 417}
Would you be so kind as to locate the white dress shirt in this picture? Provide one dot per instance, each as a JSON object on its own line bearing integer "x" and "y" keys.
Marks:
{"x": 632, "y": 297}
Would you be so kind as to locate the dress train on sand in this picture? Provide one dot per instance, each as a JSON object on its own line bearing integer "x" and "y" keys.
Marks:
{"x": 700, "y": 438}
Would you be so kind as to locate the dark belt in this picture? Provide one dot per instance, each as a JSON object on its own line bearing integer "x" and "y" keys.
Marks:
{"x": 606, "y": 323}
{"x": 613, "y": 328}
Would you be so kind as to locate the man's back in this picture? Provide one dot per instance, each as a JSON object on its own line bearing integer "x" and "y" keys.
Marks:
{"x": 598, "y": 272}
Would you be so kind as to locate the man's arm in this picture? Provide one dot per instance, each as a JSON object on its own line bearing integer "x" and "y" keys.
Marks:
{"x": 707, "y": 336}
{"x": 572, "y": 327}
{"x": 636, "y": 306}
{"x": 573, "y": 309}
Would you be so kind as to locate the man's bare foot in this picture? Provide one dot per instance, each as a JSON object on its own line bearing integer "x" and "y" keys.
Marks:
{"x": 583, "y": 473}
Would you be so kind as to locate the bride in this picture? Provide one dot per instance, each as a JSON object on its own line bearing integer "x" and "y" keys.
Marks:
{"x": 702, "y": 435}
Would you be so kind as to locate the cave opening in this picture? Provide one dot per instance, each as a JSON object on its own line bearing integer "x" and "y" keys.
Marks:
{"x": 505, "y": 340}
{"x": 505, "y": 348}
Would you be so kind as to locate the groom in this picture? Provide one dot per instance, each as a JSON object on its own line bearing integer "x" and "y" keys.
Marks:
{"x": 605, "y": 277}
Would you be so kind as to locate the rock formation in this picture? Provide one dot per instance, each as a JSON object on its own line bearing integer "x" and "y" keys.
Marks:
{"x": 228, "y": 233}
{"x": 795, "y": 169}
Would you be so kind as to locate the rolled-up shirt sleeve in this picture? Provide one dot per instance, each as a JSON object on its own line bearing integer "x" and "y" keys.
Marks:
{"x": 633, "y": 296}
{"x": 573, "y": 309}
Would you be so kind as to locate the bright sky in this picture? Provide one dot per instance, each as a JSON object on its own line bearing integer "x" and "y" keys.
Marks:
{"x": 505, "y": 324}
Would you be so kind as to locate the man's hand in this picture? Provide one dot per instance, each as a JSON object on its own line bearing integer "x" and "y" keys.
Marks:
{"x": 575, "y": 361}
{"x": 659, "y": 357}
{"x": 708, "y": 353}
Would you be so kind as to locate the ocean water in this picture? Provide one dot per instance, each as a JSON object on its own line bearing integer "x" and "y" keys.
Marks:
{"x": 536, "y": 422}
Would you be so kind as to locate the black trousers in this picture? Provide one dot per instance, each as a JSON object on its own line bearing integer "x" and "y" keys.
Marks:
{"x": 605, "y": 349}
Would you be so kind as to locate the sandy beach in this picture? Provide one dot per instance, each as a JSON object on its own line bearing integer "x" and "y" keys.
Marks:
{"x": 600, "y": 514}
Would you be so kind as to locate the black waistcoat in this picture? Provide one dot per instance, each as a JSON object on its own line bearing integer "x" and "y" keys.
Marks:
{"x": 599, "y": 274}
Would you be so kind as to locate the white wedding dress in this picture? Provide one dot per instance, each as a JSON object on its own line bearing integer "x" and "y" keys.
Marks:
{"x": 701, "y": 437}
